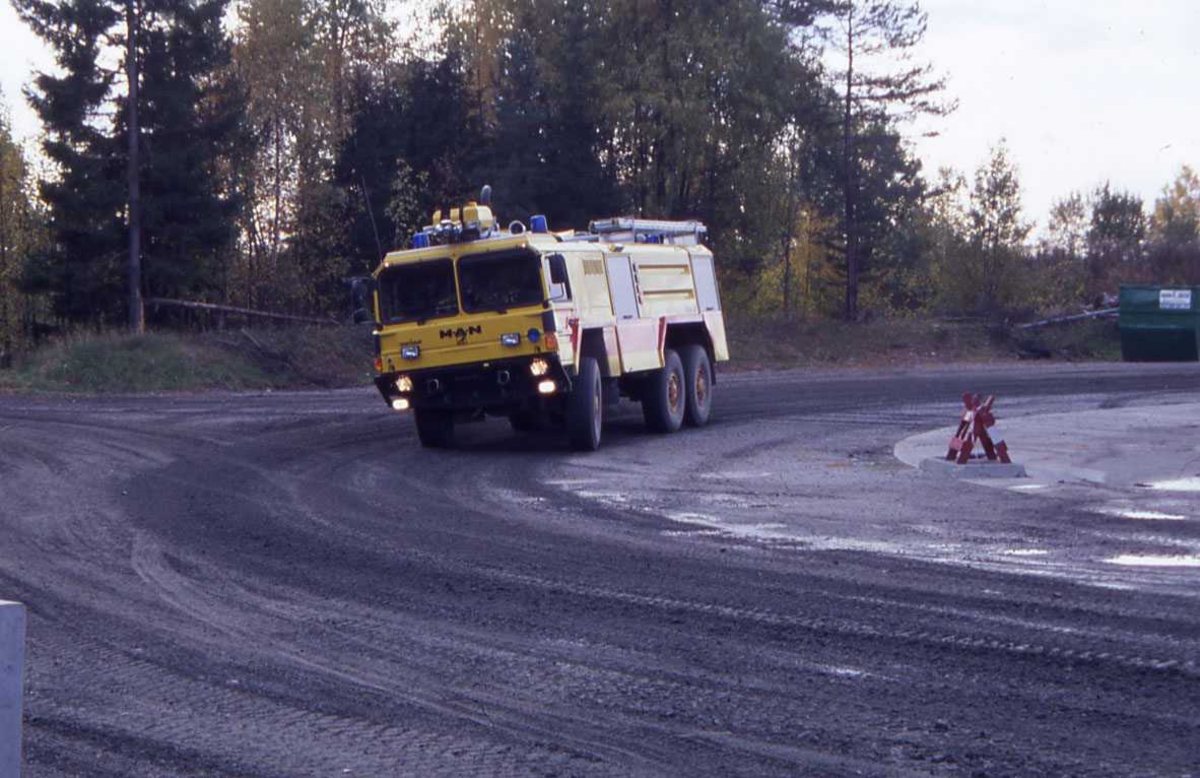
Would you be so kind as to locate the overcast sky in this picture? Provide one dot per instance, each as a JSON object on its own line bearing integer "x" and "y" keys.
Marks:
{"x": 1083, "y": 91}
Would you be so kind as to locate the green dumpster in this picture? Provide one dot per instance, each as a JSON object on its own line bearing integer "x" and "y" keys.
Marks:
{"x": 1160, "y": 323}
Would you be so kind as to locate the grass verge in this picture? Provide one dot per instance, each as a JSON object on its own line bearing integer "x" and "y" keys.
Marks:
{"x": 293, "y": 358}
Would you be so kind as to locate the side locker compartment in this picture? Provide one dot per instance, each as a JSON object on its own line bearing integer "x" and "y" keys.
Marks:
{"x": 637, "y": 338}
{"x": 708, "y": 299}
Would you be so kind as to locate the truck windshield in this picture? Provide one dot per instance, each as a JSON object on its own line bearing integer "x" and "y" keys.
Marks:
{"x": 497, "y": 282}
{"x": 416, "y": 292}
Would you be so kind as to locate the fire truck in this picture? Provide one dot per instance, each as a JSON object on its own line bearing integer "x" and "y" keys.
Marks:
{"x": 546, "y": 328}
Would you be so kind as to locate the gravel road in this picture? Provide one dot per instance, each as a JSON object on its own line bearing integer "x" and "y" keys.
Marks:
{"x": 286, "y": 585}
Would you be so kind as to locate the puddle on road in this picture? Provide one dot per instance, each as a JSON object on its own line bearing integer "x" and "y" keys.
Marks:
{"x": 1191, "y": 484}
{"x": 736, "y": 475}
{"x": 1025, "y": 552}
{"x": 1141, "y": 515}
{"x": 1152, "y": 560}
{"x": 770, "y": 531}
{"x": 612, "y": 498}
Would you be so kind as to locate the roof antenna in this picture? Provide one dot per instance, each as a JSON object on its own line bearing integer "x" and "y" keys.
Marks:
{"x": 371, "y": 213}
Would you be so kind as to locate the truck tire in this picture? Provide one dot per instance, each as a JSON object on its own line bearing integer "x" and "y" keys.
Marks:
{"x": 585, "y": 408}
{"x": 435, "y": 429}
{"x": 664, "y": 401}
{"x": 698, "y": 382}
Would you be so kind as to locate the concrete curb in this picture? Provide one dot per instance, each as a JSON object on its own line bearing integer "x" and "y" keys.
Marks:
{"x": 973, "y": 469}
{"x": 12, "y": 666}
{"x": 1116, "y": 448}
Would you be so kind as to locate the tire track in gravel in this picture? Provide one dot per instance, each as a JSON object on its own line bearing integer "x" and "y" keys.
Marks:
{"x": 290, "y": 588}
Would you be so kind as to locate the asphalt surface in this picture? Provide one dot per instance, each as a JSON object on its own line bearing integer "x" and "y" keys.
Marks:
{"x": 286, "y": 585}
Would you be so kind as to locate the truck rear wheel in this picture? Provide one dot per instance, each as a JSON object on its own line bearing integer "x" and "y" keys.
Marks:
{"x": 585, "y": 408}
{"x": 698, "y": 381}
{"x": 664, "y": 397}
{"x": 435, "y": 429}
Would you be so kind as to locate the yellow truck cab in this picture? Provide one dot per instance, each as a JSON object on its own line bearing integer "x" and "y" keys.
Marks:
{"x": 547, "y": 327}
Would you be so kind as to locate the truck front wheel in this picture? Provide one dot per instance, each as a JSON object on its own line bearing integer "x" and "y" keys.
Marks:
{"x": 435, "y": 429}
{"x": 664, "y": 397}
{"x": 585, "y": 408}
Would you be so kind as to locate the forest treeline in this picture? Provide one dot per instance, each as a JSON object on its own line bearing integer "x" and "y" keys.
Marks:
{"x": 278, "y": 146}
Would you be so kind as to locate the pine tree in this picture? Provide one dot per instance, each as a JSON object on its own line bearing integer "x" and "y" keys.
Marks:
{"x": 878, "y": 86}
{"x": 189, "y": 118}
{"x": 83, "y": 270}
{"x": 173, "y": 55}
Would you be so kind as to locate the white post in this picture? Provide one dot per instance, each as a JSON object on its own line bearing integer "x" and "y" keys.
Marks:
{"x": 12, "y": 665}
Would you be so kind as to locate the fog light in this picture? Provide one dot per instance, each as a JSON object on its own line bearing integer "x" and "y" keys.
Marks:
{"x": 404, "y": 384}
{"x": 511, "y": 339}
{"x": 547, "y": 387}
{"x": 410, "y": 352}
{"x": 539, "y": 367}
{"x": 400, "y": 404}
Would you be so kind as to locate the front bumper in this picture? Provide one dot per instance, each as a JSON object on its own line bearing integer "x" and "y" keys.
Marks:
{"x": 497, "y": 384}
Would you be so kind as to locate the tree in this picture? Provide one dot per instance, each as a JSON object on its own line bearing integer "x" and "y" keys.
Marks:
{"x": 20, "y": 239}
{"x": 1116, "y": 240}
{"x": 1175, "y": 230}
{"x": 189, "y": 124}
{"x": 996, "y": 233}
{"x": 1176, "y": 217}
{"x": 1068, "y": 226}
{"x": 161, "y": 132}
{"x": 879, "y": 87}
{"x": 86, "y": 200}
{"x": 304, "y": 64}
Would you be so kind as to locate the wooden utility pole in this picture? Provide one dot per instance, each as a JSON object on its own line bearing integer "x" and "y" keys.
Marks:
{"x": 137, "y": 311}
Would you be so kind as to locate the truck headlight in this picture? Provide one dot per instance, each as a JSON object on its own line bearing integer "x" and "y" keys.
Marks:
{"x": 410, "y": 352}
{"x": 539, "y": 367}
{"x": 511, "y": 339}
{"x": 404, "y": 384}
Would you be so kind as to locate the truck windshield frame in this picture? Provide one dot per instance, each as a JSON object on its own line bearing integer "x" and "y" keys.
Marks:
{"x": 500, "y": 281}
{"x": 418, "y": 291}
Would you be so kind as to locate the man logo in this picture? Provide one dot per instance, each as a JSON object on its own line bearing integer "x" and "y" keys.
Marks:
{"x": 461, "y": 334}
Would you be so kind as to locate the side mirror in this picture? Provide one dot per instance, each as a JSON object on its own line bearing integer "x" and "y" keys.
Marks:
{"x": 558, "y": 269}
{"x": 361, "y": 290}
{"x": 560, "y": 284}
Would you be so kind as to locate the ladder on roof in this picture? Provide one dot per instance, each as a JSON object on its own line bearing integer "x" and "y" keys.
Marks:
{"x": 628, "y": 229}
